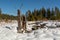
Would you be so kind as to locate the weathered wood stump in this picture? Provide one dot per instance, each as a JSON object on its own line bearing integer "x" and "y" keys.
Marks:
{"x": 19, "y": 22}
{"x": 24, "y": 23}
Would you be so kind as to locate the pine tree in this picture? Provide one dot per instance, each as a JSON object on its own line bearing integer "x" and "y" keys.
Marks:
{"x": 19, "y": 22}
{"x": 48, "y": 13}
{"x": 43, "y": 12}
{"x": 57, "y": 12}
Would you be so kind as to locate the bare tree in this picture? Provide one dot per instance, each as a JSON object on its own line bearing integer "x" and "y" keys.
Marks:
{"x": 19, "y": 22}
{"x": 24, "y": 23}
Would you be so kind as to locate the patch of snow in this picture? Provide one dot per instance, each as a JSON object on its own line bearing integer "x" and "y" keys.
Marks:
{"x": 8, "y": 31}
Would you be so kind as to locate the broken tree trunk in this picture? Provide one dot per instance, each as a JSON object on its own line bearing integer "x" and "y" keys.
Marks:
{"x": 19, "y": 22}
{"x": 24, "y": 23}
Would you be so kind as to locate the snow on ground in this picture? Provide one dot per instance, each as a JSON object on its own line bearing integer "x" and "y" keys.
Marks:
{"x": 8, "y": 32}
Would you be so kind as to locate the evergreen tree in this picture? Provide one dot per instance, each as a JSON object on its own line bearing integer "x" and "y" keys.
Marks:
{"x": 53, "y": 17}
{"x": 57, "y": 12}
{"x": 28, "y": 14}
{"x": 43, "y": 12}
{"x": 48, "y": 13}
{"x": 35, "y": 14}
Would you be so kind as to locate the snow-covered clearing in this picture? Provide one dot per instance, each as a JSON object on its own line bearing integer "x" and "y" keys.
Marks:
{"x": 8, "y": 32}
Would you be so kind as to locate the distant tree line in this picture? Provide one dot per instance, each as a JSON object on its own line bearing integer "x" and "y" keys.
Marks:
{"x": 42, "y": 14}
{"x": 36, "y": 15}
{"x": 6, "y": 16}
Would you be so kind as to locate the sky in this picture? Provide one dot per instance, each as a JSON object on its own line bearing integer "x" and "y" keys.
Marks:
{"x": 11, "y": 6}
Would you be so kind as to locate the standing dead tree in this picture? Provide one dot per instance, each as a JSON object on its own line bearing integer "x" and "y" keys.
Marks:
{"x": 24, "y": 23}
{"x": 21, "y": 28}
{"x": 19, "y": 22}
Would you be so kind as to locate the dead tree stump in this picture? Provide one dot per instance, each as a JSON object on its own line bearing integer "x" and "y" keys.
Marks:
{"x": 24, "y": 23}
{"x": 19, "y": 22}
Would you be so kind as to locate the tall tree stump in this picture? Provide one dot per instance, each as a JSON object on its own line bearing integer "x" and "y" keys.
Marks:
{"x": 19, "y": 22}
{"x": 24, "y": 23}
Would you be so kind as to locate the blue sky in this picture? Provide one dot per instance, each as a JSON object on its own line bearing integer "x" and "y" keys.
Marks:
{"x": 11, "y": 6}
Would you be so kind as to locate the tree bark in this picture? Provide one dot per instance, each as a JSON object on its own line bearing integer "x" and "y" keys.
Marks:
{"x": 19, "y": 22}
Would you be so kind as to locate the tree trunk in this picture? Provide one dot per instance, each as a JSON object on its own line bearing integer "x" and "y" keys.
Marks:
{"x": 24, "y": 23}
{"x": 19, "y": 22}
